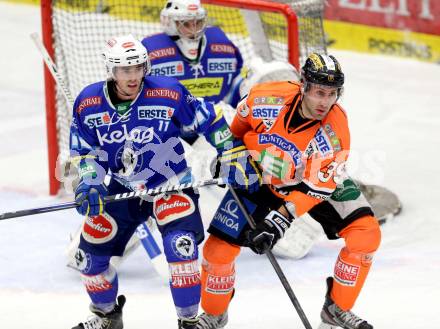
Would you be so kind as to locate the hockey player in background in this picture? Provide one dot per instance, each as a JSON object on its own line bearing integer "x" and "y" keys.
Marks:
{"x": 128, "y": 127}
{"x": 201, "y": 57}
{"x": 301, "y": 147}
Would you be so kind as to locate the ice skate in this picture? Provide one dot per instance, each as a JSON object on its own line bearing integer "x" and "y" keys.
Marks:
{"x": 187, "y": 323}
{"x": 333, "y": 317}
{"x": 207, "y": 321}
{"x": 112, "y": 320}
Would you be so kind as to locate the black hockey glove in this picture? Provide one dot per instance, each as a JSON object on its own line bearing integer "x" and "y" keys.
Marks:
{"x": 267, "y": 232}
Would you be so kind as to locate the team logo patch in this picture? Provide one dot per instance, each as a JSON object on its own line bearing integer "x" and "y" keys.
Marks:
{"x": 97, "y": 119}
{"x": 83, "y": 261}
{"x": 220, "y": 285}
{"x": 99, "y": 229}
{"x": 172, "y": 207}
{"x": 184, "y": 274}
{"x": 268, "y": 123}
{"x": 129, "y": 157}
{"x": 345, "y": 273}
{"x": 183, "y": 246}
{"x": 243, "y": 109}
{"x": 88, "y": 102}
{"x": 155, "y": 112}
{"x": 163, "y": 52}
{"x": 222, "y": 65}
{"x": 174, "y": 69}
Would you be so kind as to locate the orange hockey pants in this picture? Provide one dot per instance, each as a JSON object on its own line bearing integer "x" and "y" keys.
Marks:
{"x": 362, "y": 238}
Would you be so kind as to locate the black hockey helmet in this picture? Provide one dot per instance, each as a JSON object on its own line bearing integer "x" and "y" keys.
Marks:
{"x": 322, "y": 70}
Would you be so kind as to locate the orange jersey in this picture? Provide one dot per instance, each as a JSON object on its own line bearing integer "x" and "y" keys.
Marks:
{"x": 302, "y": 160}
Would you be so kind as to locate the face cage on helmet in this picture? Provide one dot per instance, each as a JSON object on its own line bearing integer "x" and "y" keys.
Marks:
{"x": 197, "y": 34}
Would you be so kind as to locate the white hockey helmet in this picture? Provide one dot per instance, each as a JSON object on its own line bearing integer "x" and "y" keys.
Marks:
{"x": 260, "y": 71}
{"x": 125, "y": 51}
{"x": 184, "y": 20}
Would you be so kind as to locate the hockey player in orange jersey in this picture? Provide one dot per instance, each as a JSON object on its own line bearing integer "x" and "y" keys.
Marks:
{"x": 299, "y": 136}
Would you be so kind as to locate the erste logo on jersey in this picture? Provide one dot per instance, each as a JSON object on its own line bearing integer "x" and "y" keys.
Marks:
{"x": 88, "y": 102}
{"x": 139, "y": 134}
{"x": 222, "y": 65}
{"x": 172, "y": 207}
{"x": 322, "y": 141}
{"x": 173, "y": 69}
{"x": 155, "y": 112}
{"x": 266, "y": 111}
{"x": 97, "y": 119}
{"x": 283, "y": 144}
{"x": 99, "y": 229}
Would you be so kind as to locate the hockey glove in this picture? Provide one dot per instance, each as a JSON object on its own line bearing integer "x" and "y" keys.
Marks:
{"x": 268, "y": 232}
{"x": 237, "y": 167}
{"x": 90, "y": 199}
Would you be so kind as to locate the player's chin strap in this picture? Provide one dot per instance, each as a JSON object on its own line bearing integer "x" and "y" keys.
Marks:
{"x": 116, "y": 197}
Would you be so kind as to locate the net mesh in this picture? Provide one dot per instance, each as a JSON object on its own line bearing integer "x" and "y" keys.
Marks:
{"x": 81, "y": 27}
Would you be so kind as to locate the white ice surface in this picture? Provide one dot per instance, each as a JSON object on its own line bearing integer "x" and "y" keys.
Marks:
{"x": 394, "y": 111}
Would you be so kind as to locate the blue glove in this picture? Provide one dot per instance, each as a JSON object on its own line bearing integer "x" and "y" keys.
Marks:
{"x": 90, "y": 199}
{"x": 239, "y": 169}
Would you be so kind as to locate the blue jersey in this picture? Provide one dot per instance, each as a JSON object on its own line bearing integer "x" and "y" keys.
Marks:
{"x": 140, "y": 147}
{"x": 212, "y": 77}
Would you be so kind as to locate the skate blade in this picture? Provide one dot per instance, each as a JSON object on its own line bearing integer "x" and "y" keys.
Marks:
{"x": 324, "y": 325}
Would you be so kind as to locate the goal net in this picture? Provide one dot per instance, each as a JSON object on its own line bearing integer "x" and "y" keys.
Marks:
{"x": 74, "y": 32}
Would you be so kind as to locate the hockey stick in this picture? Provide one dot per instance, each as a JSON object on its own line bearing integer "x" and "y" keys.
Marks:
{"x": 115, "y": 197}
{"x": 53, "y": 68}
{"x": 275, "y": 264}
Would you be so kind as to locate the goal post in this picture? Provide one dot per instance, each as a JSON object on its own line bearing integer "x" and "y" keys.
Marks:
{"x": 74, "y": 32}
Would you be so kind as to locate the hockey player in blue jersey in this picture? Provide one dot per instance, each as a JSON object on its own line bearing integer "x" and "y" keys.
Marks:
{"x": 128, "y": 127}
{"x": 204, "y": 60}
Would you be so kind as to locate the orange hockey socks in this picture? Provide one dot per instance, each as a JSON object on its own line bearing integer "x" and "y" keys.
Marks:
{"x": 362, "y": 239}
{"x": 218, "y": 275}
